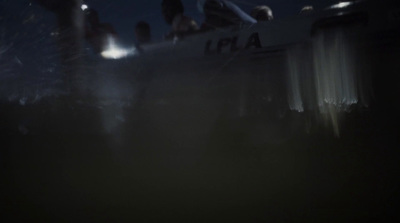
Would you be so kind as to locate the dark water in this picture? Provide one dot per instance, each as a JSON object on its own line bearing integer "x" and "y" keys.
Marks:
{"x": 164, "y": 166}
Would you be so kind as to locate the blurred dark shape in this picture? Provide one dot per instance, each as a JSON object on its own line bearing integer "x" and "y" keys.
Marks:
{"x": 143, "y": 32}
{"x": 222, "y": 13}
{"x": 172, "y": 11}
{"x": 96, "y": 33}
{"x": 262, "y": 13}
{"x": 70, "y": 22}
{"x": 306, "y": 10}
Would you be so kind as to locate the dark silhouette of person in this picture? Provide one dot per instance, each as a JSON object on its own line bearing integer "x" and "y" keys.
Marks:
{"x": 96, "y": 33}
{"x": 262, "y": 13}
{"x": 172, "y": 11}
{"x": 142, "y": 32}
{"x": 222, "y": 13}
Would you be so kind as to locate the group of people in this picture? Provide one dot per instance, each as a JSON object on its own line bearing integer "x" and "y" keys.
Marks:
{"x": 217, "y": 13}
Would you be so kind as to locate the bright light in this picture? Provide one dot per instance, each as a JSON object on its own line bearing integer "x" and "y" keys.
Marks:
{"x": 113, "y": 51}
{"x": 341, "y": 5}
{"x": 84, "y": 7}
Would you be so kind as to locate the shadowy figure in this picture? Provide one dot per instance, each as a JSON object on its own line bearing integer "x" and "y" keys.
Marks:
{"x": 143, "y": 32}
{"x": 70, "y": 36}
{"x": 222, "y": 13}
{"x": 98, "y": 34}
{"x": 172, "y": 11}
{"x": 262, "y": 13}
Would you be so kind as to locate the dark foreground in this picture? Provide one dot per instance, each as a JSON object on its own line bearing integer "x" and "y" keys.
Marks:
{"x": 170, "y": 170}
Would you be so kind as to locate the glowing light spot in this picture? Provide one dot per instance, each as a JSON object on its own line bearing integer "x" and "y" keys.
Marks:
{"x": 341, "y": 5}
{"x": 84, "y": 7}
{"x": 113, "y": 51}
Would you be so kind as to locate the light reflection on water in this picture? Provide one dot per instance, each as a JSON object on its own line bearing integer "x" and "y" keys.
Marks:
{"x": 327, "y": 77}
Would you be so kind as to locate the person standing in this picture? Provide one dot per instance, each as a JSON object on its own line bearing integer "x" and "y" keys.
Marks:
{"x": 181, "y": 24}
{"x": 142, "y": 32}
